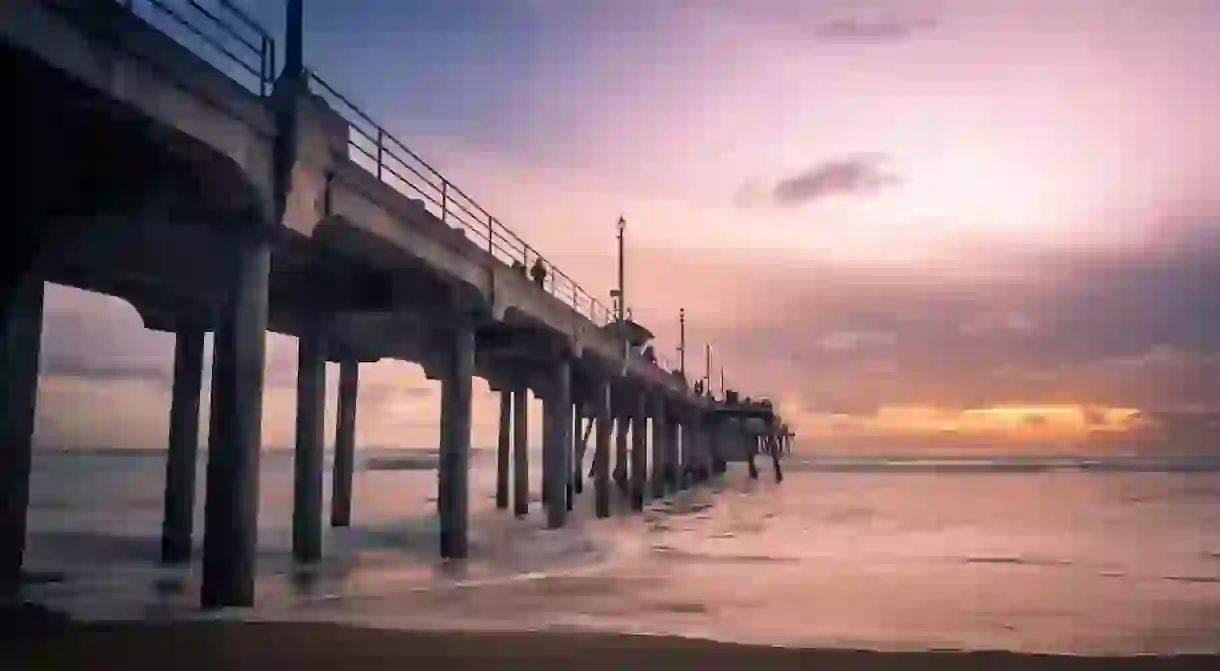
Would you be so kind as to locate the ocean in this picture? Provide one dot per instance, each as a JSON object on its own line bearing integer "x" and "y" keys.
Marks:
{"x": 1064, "y": 555}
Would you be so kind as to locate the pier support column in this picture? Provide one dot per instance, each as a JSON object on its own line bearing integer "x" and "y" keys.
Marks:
{"x": 601, "y": 456}
{"x": 345, "y": 444}
{"x": 502, "y": 448}
{"x": 569, "y": 447}
{"x": 776, "y": 443}
{"x": 521, "y": 469}
{"x": 622, "y": 424}
{"x": 751, "y": 446}
{"x": 676, "y": 433}
{"x": 20, "y": 344}
{"x": 639, "y": 451}
{"x": 179, "y": 513}
{"x": 557, "y": 407}
{"x": 716, "y": 441}
{"x": 683, "y": 455}
{"x": 575, "y": 454}
{"x": 230, "y": 529}
{"x": 660, "y": 446}
{"x": 307, "y": 462}
{"x": 453, "y": 486}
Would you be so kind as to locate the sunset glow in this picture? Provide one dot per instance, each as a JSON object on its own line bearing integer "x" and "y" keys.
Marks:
{"x": 934, "y": 220}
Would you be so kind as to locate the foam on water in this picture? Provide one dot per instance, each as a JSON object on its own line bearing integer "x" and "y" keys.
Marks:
{"x": 1039, "y": 561}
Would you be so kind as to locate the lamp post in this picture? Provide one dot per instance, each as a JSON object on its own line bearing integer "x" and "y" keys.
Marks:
{"x": 682, "y": 341}
{"x": 622, "y": 304}
{"x": 621, "y": 295}
{"x": 707, "y": 368}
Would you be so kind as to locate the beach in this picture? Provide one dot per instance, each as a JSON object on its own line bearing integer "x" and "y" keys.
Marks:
{"x": 306, "y": 647}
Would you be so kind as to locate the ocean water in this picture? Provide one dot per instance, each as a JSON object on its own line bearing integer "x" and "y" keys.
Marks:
{"x": 1049, "y": 555}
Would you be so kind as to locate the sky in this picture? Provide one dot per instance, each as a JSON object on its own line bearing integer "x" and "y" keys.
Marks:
{"x": 959, "y": 225}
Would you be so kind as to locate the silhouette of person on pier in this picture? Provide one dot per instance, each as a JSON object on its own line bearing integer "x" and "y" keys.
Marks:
{"x": 538, "y": 272}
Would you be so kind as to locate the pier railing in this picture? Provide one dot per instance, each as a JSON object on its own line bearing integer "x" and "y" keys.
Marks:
{"x": 375, "y": 149}
{"x": 229, "y": 39}
{"x": 220, "y": 33}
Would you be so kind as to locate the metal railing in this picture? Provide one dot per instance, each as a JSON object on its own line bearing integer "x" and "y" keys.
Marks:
{"x": 376, "y": 150}
{"x": 229, "y": 39}
{"x": 222, "y": 34}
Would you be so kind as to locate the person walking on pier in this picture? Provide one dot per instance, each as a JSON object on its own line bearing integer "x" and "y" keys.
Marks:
{"x": 538, "y": 272}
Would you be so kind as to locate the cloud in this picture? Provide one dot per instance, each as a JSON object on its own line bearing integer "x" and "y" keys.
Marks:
{"x": 850, "y": 175}
{"x": 1004, "y": 322}
{"x": 1111, "y": 328}
{"x": 876, "y": 30}
{"x": 854, "y": 340}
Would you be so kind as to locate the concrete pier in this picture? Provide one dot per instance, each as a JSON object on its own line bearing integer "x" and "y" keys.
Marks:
{"x": 660, "y": 446}
{"x": 557, "y": 406}
{"x": 503, "y": 448}
{"x": 179, "y": 516}
{"x": 639, "y": 452}
{"x": 217, "y": 177}
{"x": 601, "y": 456}
{"x": 453, "y": 491}
{"x": 310, "y": 430}
{"x": 230, "y": 530}
{"x": 345, "y": 444}
{"x": 521, "y": 471}
{"x": 20, "y": 344}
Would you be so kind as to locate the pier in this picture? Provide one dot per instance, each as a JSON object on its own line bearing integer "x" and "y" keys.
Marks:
{"x": 225, "y": 194}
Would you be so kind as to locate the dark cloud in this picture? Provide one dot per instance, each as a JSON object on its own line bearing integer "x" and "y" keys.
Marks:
{"x": 1137, "y": 328}
{"x": 852, "y": 22}
{"x": 849, "y": 175}
{"x": 84, "y": 368}
{"x": 877, "y": 30}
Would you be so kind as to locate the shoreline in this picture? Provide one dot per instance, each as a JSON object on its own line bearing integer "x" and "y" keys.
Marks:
{"x": 34, "y": 638}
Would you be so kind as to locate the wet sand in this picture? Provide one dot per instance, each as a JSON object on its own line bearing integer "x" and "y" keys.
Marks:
{"x": 235, "y": 646}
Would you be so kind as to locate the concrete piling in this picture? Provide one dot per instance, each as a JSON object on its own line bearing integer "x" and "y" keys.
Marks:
{"x": 230, "y": 530}
{"x": 503, "y": 449}
{"x": 622, "y": 425}
{"x": 639, "y": 451}
{"x": 345, "y": 444}
{"x": 307, "y": 462}
{"x": 574, "y": 456}
{"x": 20, "y": 345}
{"x": 775, "y": 450}
{"x": 751, "y": 451}
{"x": 660, "y": 446}
{"x": 601, "y": 456}
{"x": 453, "y": 486}
{"x": 521, "y": 472}
{"x": 178, "y": 519}
{"x": 556, "y": 407}
{"x": 674, "y": 433}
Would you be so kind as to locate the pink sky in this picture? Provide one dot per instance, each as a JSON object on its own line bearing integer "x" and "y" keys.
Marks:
{"x": 864, "y": 206}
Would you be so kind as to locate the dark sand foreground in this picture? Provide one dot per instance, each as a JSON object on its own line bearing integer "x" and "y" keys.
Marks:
{"x": 232, "y": 646}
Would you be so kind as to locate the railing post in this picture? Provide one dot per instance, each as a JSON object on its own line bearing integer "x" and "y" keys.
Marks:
{"x": 380, "y": 145}
{"x": 262, "y": 66}
{"x": 491, "y": 236}
{"x": 444, "y": 198}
